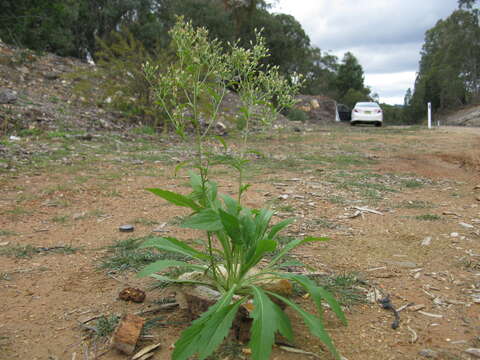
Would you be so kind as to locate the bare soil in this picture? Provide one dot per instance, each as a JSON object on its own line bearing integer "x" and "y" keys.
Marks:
{"x": 421, "y": 182}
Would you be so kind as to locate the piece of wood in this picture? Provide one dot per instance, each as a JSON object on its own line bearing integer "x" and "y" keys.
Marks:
{"x": 145, "y": 350}
{"x": 127, "y": 333}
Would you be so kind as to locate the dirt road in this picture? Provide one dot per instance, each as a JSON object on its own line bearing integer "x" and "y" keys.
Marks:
{"x": 401, "y": 206}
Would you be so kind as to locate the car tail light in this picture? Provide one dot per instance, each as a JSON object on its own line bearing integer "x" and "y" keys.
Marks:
{"x": 355, "y": 110}
{"x": 379, "y": 111}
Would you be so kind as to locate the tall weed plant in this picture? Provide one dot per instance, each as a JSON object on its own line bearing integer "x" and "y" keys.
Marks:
{"x": 237, "y": 238}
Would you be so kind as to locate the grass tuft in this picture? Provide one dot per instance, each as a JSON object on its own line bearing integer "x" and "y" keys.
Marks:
{"x": 428, "y": 217}
{"x": 126, "y": 255}
{"x": 28, "y": 251}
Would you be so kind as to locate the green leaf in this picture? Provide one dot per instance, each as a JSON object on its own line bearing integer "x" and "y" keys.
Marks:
{"x": 275, "y": 229}
{"x": 231, "y": 205}
{"x": 284, "y": 325}
{"x": 261, "y": 221}
{"x": 292, "y": 245}
{"x": 160, "y": 265}
{"x": 318, "y": 293}
{"x": 314, "y": 324}
{"x": 263, "y": 246}
{"x": 195, "y": 181}
{"x": 191, "y": 341}
{"x": 180, "y": 166}
{"x": 221, "y": 141}
{"x": 207, "y": 220}
{"x": 174, "y": 245}
{"x": 218, "y": 328}
{"x": 231, "y": 225}
{"x": 264, "y": 325}
{"x": 175, "y": 198}
{"x": 244, "y": 188}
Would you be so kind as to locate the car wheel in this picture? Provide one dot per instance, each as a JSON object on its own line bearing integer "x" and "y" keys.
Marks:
{"x": 378, "y": 124}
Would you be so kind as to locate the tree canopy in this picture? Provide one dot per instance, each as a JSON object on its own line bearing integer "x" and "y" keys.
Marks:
{"x": 449, "y": 74}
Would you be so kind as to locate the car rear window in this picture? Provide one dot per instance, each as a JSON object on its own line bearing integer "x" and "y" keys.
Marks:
{"x": 372, "y": 105}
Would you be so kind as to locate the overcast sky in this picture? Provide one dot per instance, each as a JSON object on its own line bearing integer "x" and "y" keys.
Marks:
{"x": 386, "y": 36}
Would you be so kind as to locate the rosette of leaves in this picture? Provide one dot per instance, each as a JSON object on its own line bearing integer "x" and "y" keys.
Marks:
{"x": 237, "y": 239}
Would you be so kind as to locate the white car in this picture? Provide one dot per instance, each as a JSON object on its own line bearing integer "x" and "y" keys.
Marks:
{"x": 367, "y": 113}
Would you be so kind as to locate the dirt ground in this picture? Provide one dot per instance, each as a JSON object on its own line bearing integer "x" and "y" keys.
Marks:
{"x": 399, "y": 205}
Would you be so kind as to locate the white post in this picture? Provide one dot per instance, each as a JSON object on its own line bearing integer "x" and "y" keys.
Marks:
{"x": 429, "y": 115}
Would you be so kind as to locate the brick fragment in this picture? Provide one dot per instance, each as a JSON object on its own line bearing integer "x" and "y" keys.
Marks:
{"x": 127, "y": 333}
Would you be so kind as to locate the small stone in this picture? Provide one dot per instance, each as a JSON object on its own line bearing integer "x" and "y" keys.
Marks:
{"x": 454, "y": 234}
{"x": 51, "y": 75}
{"x": 7, "y": 96}
{"x": 403, "y": 264}
{"x": 78, "y": 216}
{"x": 474, "y": 352}
{"x": 127, "y": 333}
{"x": 428, "y": 353}
{"x": 465, "y": 225}
{"x": 283, "y": 197}
{"x": 427, "y": 241}
{"x": 126, "y": 228}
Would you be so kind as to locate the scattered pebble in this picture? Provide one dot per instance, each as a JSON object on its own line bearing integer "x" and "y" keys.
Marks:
{"x": 465, "y": 225}
{"x": 427, "y": 241}
{"x": 428, "y": 353}
{"x": 126, "y": 228}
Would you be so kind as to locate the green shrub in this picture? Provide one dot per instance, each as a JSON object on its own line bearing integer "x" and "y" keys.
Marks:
{"x": 118, "y": 81}
{"x": 295, "y": 114}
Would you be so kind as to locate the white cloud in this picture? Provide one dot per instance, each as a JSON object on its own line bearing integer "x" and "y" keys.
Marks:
{"x": 385, "y": 35}
{"x": 387, "y": 85}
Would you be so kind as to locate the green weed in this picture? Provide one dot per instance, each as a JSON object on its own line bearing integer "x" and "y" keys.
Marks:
{"x": 7, "y": 233}
{"x": 28, "y": 251}
{"x": 428, "y": 217}
{"x": 412, "y": 184}
{"x": 416, "y": 204}
{"x": 105, "y": 326}
{"x": 344, "y": 287}
{"x": 144, "y": 221}
{"x": 61, "y": 219}
{"x": 126, "y": 255}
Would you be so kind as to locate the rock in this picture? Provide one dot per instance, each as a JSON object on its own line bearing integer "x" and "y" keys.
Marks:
{"x": 126, "y": 228}
{"x": 474, "y": 352}
{"x": 221, "y": 129}
{"x": 319, "y": 109}
{"x": 427, "y": 241}
{"x": 403, "y": 264}
{"x": 51, "y": 75}
{"x": 465, "y": 225}
{"x": 7, "y": 96}
{"x": 127, "y": 333}
{"x": 454, "y": 234}
{"x": 428, "y": 353}
{"x": 198, "y": 299}
{"x": 132, "y": 294}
